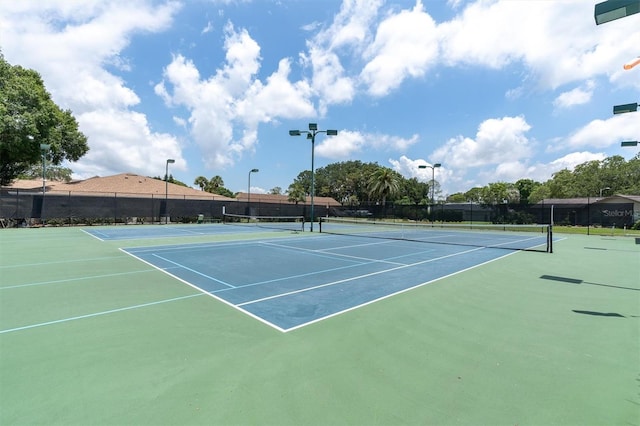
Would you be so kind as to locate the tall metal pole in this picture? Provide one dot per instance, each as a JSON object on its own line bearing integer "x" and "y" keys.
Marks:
{"x": 433, "y": 181}
{"x": 313, "y": 178}
{"x": 311, "y": 134}
{"x": 249, "y": 190}
{"x": 44, "y": 148}
{"x": 166, "y": 190}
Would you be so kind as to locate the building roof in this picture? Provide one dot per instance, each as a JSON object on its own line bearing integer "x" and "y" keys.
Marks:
{"x": 284, "y": 199}
{"x": 125, "y": 183}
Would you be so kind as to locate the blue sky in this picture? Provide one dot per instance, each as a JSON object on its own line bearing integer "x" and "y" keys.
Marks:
{"x": 492, "y": 90}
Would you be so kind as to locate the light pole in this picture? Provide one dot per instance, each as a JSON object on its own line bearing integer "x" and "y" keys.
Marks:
{"x": 433, "y": 181}
{"x": 249, "y": 190}
{"x": 311, "y": 134}
{"x": 166, "y": 189}
{"x": 433, "y": 176}
{"x": 44, "y": 148}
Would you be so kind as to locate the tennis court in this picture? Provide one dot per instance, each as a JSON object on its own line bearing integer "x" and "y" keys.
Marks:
{"x": 218, "y": 324}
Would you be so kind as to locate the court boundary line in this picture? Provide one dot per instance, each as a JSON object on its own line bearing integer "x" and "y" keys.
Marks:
{"x": 74, "y": 279}
{"x": 97, "y": 314}
{"x": 239, "y": 307}
{"x": 204, "y": 292}
{"x": 403, "y": 266}
{"x": 353, "y": 308}
{"x": 283, "y": 330}
{"x": 23, "y": 265}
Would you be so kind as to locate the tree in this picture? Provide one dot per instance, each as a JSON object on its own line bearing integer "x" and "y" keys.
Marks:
{"x": 201, "y": 182}
{"x": 474, "y": 194}
{"x": 170, "y": 179}
{"x": 276, "y": 190}
{"x": 214, "y": 183}
{"x": 214, "y": 186}
{"x": 296, "y": 193}
{"x": 499, "y": 193}
{"x": 56, "y": 173}
{"x": 525, "y": 188}
{"x": 383, "y": 183}
{"x": 415, "y": 191}
{"x": 458, "y": 197}
{"x": 29, "y": 118}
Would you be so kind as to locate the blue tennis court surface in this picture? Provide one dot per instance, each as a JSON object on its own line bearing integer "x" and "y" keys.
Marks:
{"x": 292, "y": 282}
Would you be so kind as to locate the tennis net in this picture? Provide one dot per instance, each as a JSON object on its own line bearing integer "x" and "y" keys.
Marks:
{"x": 283, "y": 223}
{"x": 510, "y": 237}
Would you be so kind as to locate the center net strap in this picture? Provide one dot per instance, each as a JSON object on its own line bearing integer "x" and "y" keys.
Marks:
{"x": 510, "y": 237}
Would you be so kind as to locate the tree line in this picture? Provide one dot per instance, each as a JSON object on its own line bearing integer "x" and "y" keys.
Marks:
{"x": 356, "y": 183}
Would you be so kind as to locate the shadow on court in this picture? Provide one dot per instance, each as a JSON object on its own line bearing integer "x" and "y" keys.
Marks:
{"x": 578, "y": 281}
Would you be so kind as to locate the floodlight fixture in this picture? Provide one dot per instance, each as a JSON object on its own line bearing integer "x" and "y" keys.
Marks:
{"x": 629, "y": 143}
{"x": 433, "y": 176}
{"x": 611, "y": 10}
{"x": 249, "y": 190}
{"x": 623, "y": 109}
{"x": 313, "y": 126}
{"x": 294, "y": 132}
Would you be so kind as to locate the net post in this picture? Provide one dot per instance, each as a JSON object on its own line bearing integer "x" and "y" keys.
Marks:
{"x": 550, "y": 232}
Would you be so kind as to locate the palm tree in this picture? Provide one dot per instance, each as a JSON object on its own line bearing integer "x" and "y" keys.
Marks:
{"x": 383, "y": 183}
{"x": 202, "y": 182}
{"x": 215, "y": 183}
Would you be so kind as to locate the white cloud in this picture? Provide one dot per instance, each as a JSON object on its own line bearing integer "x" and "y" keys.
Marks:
{"x": 405, "y": 46}
{"x": 603, "y": 133}
{"x": 347, "y": 144}
{"x": 348, "y": 33}
{"x": 226, "y": 108}
{"x": 570, "y": 161}
{"x": 116, "y": 147}
{"x": 70, "y": 43}
{"x": 578, "y": 96}
{"x": 497, "y": 141}
{"x": 208, "y": 28}
{"x": 556, "y": 47}
{"x": 341, "y": 147}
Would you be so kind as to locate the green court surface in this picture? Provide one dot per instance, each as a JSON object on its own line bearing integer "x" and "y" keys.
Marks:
{"x": 91, "y": 335}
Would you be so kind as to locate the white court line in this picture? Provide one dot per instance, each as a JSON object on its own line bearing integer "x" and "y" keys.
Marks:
{"x": 357, "y": 277}
{"x": 404, "y": 290}
{"x": 75, "y": 279}
{"x": 329, "y": 255}
{"x": 93, "y": 235}
{"x": 194, "y": 271}
{"x": 58, "y": 262}
{"x": 96, "y": 314}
